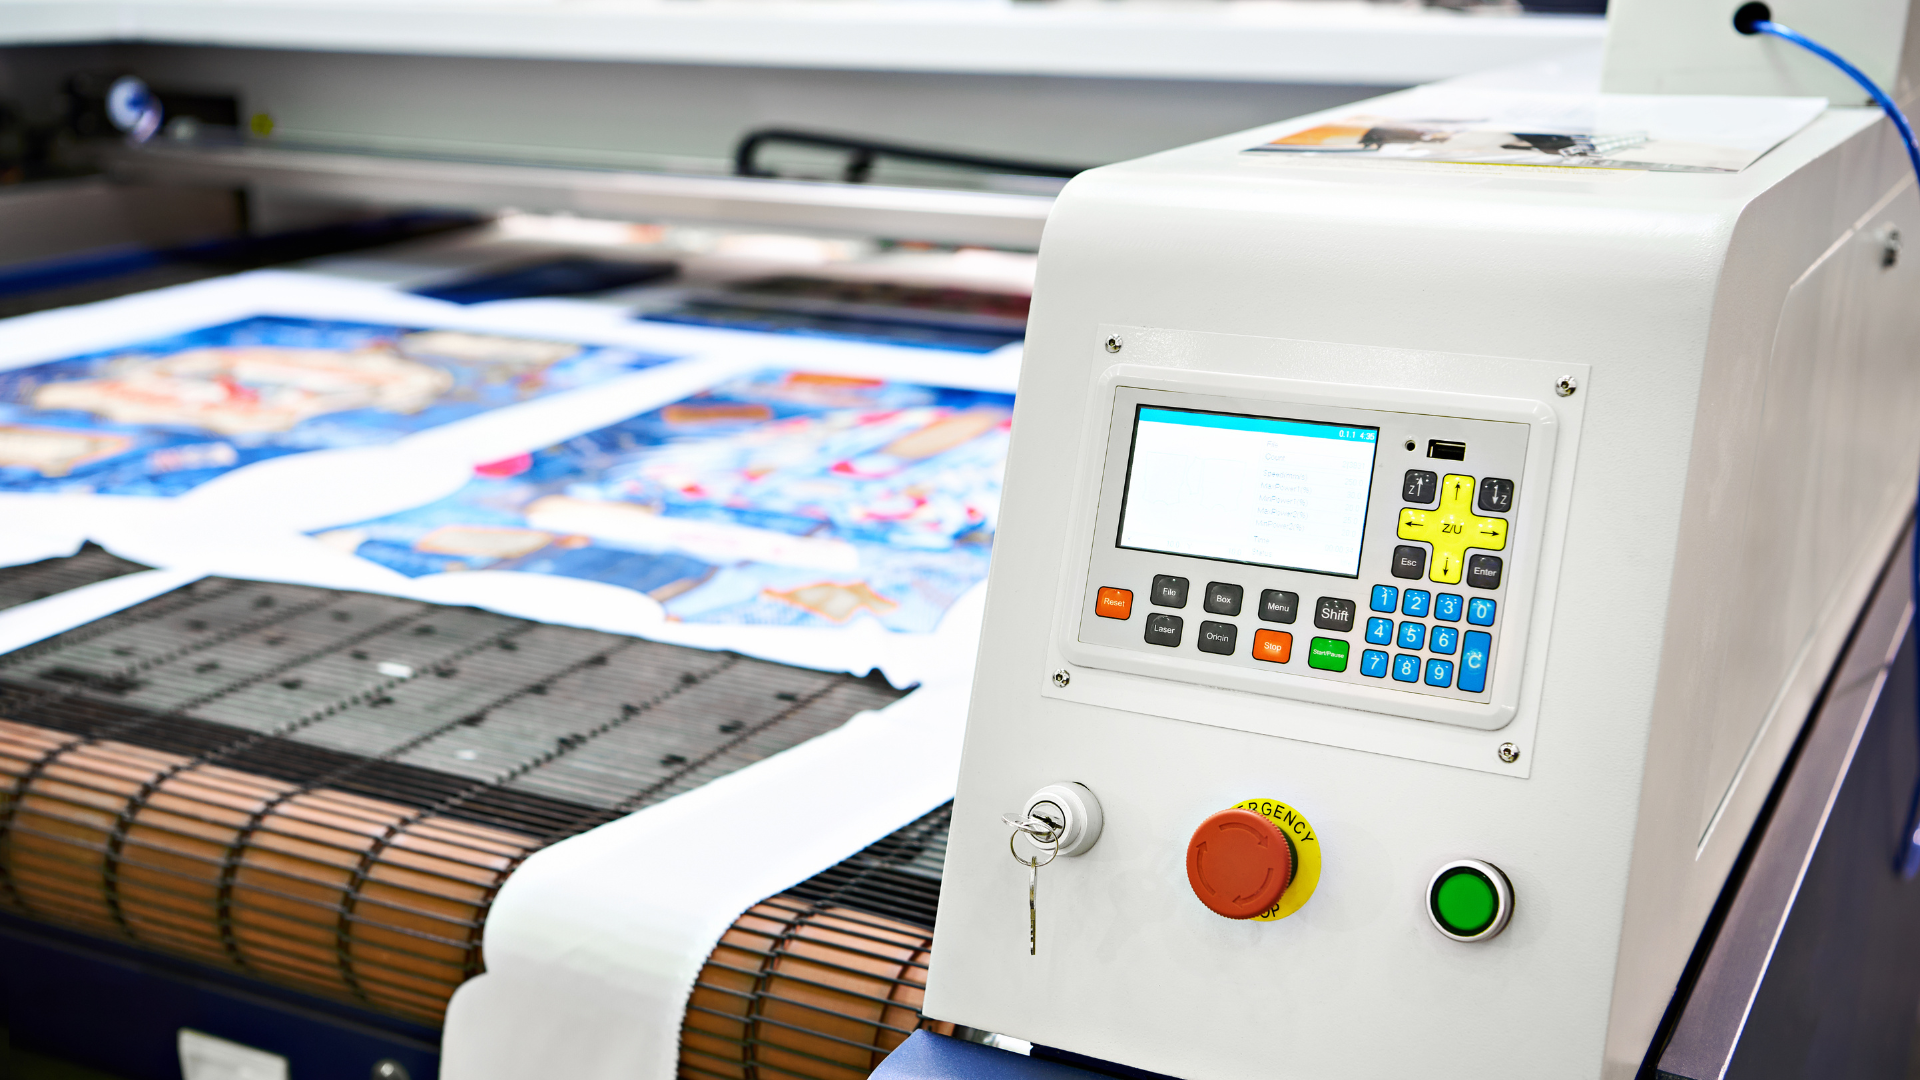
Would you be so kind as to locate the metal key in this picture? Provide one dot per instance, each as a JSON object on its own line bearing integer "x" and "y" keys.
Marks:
{"x": 1044, "y": 834}
{"x": 1033, "y": 911}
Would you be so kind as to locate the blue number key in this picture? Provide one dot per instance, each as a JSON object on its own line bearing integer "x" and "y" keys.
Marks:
{"x": 1480, "y": 612}
{"x": 1385, "y": 598}
{"x": 1379, "y": 631}
{"x": 1446, "y": 607}
{"x": 1445, "y": 640}
{"x": 1406, "y": 668}
{"x": 1373, "y": 664}
{"x": 1475, "y": 653}
{"x": 1415, "y": 603}
{"x": 1439, "y": 673}
{"x": 1412, "y": 635}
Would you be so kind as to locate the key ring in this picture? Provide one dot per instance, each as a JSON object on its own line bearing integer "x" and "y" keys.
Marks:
{"x": 1053, "y": 852}
{"x": 1028, "y": 827}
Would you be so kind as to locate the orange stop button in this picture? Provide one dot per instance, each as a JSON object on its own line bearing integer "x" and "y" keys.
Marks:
{"x": 1238, "y": 863}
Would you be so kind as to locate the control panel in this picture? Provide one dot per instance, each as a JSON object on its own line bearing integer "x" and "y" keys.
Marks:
{"x": 1360, "y": 555}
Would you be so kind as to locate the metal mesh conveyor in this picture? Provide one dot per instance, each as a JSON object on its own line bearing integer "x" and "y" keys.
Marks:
{"x": 822, "y": 981}
{"x": 38, "y": 580}
{"x": 325, "y": 789}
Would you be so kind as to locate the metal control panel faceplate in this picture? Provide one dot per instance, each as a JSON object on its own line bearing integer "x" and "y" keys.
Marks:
{"x": 1415, "y": 623}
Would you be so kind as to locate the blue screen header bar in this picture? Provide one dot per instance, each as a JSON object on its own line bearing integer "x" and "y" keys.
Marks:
{"x": 1261, "y": 424}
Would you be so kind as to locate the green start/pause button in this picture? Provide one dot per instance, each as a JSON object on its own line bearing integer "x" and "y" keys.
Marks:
{"x": 1327, "y": 654}
{"x": 1469, "y": 900}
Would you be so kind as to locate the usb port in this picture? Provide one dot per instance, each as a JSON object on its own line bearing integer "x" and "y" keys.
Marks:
{"x": 1446, "y": 451}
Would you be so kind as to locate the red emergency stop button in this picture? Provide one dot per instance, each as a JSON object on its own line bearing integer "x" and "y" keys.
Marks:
{"x": 1238, "y": 863}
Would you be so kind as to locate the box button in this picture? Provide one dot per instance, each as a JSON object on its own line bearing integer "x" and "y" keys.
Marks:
{"x": 1111, "y": 603}
{"x": 1273, "y": 646}
{"x": 1327, "y": 654}
{"x": 1222, "y": 598}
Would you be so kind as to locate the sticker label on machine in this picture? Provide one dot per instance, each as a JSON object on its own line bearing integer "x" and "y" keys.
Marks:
{"x": 1338, "y": 544}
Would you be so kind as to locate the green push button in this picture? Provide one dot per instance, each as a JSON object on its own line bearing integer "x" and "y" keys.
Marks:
{"x": 1470, "y": 900}
{"x": 1327, "y": 654}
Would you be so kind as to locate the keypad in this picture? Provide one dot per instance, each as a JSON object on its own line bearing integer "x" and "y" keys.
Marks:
{"x": 1412, "y": 635}
{"x": 1373, "y": 664}
{"x": 1217, "y": 637}
{"x": 1480, "y": 611}
{"x": 1447, "y": 606}
{"x": 1444, "y": 640}
{"x": 1476, "y": 649}
{"x": 1419, "y": 486}
{"x": 1222, "y": 598}
{"x": 1385, "y": 598}
{"x": 1406, "y": 668}
{"x": 1330, "y": 613}
{"x": 1410, "y": 562}
{"x": 1164, "y": 630}
{"x": 1278, "y": 606}
{"x": 1483, "y": 572}
{"x": 1169, "y": 591}
{"x": 1379, "y": 631}
{"x": 1415, "y": 603}
{"x": 1496, "y": 496}
{"x": 1452, "y": 528}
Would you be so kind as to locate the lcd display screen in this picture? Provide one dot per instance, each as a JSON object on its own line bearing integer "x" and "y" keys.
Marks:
{"x": 1290, "y": 494}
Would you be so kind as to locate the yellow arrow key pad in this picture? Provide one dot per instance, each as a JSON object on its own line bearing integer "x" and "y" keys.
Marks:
{"x": 1452, "y": 529}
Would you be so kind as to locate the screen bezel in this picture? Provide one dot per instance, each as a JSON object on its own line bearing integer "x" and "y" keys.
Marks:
{"x": 1126, "y": 490}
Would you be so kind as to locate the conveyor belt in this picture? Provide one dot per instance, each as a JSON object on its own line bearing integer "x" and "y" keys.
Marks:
{"x": 824, "y": 980}
{"x": 325, "y": 789}
{"x": 38, "y": 580}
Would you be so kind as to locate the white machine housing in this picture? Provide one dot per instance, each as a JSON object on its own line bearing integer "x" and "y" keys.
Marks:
{"x": 1699, "y": 521}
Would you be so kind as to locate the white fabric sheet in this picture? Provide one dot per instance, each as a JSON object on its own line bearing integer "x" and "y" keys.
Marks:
{"x": 593, "y": 946}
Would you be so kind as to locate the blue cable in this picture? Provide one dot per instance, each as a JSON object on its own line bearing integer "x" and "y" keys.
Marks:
{"x": 1756, "y": 19}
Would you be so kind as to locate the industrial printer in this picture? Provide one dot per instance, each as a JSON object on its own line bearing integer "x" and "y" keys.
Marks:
{"x": 1449, "y": 611}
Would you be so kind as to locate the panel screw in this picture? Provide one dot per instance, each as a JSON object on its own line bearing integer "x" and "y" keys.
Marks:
{"x": 1509, "y": 753}
{"x": 1566, "y": 386}
{"x": 1114, "y": 343}
{"x": 1062, "y": 677}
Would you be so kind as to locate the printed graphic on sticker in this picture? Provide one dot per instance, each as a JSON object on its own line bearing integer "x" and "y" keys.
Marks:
{"x": 1305, "y": 844}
